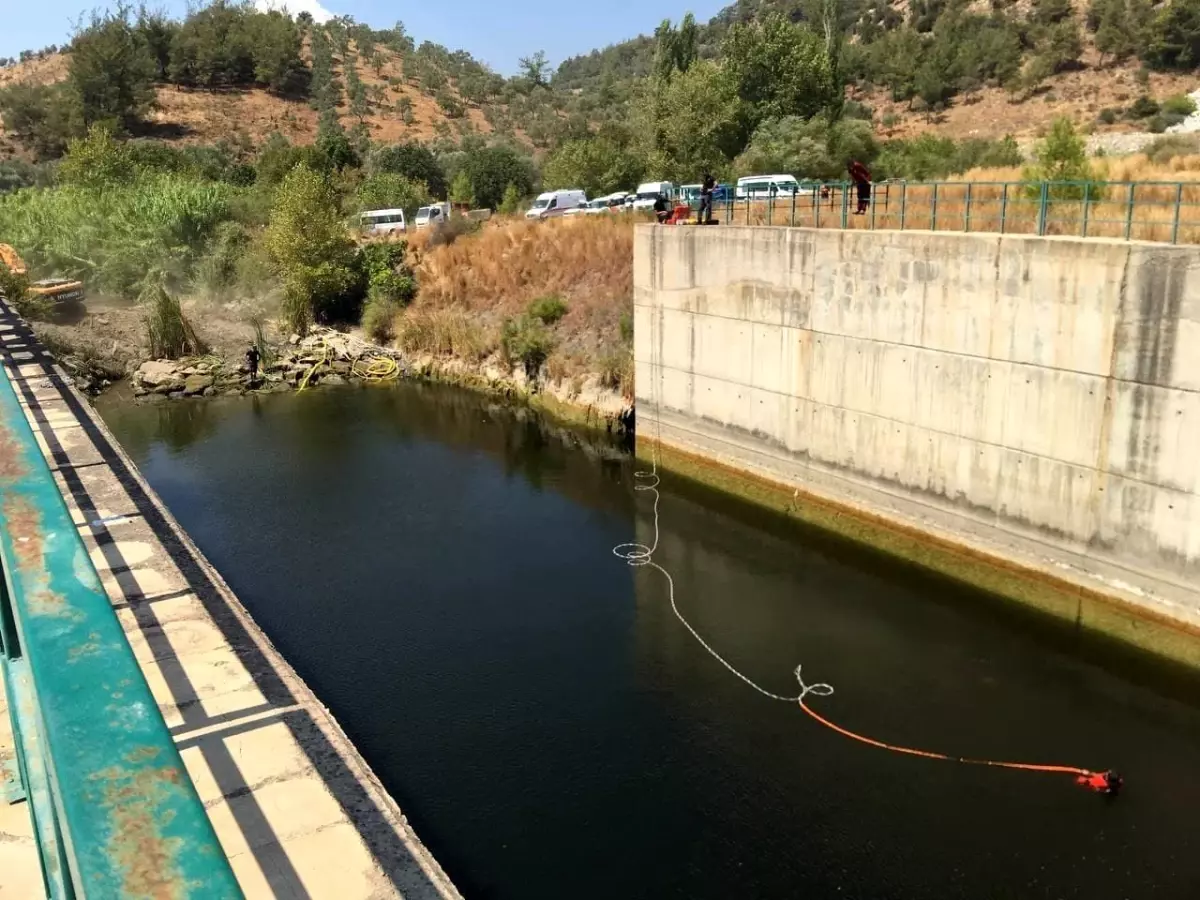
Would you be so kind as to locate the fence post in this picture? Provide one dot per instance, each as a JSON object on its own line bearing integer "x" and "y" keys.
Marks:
{"x": 875, "y": 203}
{"x": 770, "y": 207}
{"x": 1087, "y": 202}
{"x": 933, "y": 209}
{"x": 793, "y": 222}
{"x": 1043, "y": 203}
{"x": 967, "y": 211}
{"x": 903, "y": 202}
{"x": 1129, "y": 213}
{"x": 845, "y": 206}
{"x": 1175, "y": 221}
{"x": 1003, "y": 206}
{"x": 817, "y": 210}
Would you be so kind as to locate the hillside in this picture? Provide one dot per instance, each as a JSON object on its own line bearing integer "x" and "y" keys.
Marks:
{"x": 399, "y": 106}
{"x": 1004, "y": 70}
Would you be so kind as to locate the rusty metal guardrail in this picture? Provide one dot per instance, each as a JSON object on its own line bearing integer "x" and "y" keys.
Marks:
{"x": 114, "y": 812}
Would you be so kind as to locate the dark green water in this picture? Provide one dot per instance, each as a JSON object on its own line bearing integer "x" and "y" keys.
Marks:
{"x": 439, "y": 569}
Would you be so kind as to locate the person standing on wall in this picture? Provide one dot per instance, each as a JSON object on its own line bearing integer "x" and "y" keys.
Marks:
{"x": 862, "y": 180}
{"x": 707, "y": 185}
{"x": 662, "y": 212}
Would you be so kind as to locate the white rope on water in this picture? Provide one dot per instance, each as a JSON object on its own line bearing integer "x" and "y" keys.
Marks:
{"x": 637, "y": 554}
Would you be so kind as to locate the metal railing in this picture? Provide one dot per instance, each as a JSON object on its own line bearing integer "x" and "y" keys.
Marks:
{"x": 113, "y": 810}
{"x": 1130, "y": 210}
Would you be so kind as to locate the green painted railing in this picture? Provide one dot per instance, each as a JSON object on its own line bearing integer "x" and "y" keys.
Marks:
{"x": 1164, "y": 211}
{"x": 114, "y": 812}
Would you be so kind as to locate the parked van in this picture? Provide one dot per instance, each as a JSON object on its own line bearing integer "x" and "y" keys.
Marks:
{"x": 647, "y": 193}
{"x": 381, "y": 221}
{"x": 555, "y": 203}
{"x": 434, "y": 214}
{"x": 760, "y": 187}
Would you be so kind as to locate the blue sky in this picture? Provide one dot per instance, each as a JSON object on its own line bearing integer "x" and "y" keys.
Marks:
{"x": 498, "y": 33}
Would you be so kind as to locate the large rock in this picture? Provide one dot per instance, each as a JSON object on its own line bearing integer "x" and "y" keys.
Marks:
{"x": 158, "y": 372}
{"x": 196, "y": 384}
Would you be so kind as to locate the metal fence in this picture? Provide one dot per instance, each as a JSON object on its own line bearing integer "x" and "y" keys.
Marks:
{"x": 1130, "y": 210}
{"x": 113, "y": 810}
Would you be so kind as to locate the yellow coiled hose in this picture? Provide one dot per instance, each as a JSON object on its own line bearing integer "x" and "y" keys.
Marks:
{"x": 368, "y": 364}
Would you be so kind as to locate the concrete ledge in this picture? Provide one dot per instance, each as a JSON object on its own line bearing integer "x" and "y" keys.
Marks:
{"x": 298, "y": 811}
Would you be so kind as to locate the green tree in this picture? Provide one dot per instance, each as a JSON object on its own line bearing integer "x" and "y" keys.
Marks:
{"x": 110, "y": 70}
{"x": 511, "y": 202}
{"x": 1060, "y": 46}
{"x": 309, "y": 249}
{"x": 214, "y": 47}
{"x": 97, "y": 160}
{"x": 42, "y": 117}
{"x": 333, "y": 142}
{"x": 696, "y": 122}
{"x": 1174, "y": 36}
{"x": 1061, "y": 157}
{"x": 158, "y": 32}
{"x": 598, "y": 165}
{"x": 414, "y": 161}
{"x": 778, "y": 69}
{"x": 460, "y": 188}
{"x": 534, "y": 68}
{"x": 492, "y": 169}
{"x": 675, "y": 49}
{"x": 278, "y": 157}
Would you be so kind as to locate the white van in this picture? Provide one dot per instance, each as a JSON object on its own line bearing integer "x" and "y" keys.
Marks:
{"x": 381, "y": 221}
{"x": 434, "y": 214}
{"x": 555, "y": 203}
{"x": 760, "y": 187}
{"x": 647, "y": 193}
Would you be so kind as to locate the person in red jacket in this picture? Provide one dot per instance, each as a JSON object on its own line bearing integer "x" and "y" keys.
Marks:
{"x": 862, "y": 180}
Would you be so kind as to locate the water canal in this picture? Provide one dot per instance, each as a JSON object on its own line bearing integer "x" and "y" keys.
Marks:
{"x": 439, "y": 569}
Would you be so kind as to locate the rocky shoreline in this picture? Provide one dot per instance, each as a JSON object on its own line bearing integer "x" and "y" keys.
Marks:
{"x": 327, "y": 357}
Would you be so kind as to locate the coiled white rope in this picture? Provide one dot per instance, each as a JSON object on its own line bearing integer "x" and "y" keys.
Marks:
{"x": 638, "y": 554}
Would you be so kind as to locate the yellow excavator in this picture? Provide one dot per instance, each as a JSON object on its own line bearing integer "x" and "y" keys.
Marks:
{"x": 60, "y": 291}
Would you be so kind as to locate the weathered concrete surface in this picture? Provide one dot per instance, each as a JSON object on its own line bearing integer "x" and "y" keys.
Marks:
{"x": 297, "y": 810}
{"x": 1036, "y": 399}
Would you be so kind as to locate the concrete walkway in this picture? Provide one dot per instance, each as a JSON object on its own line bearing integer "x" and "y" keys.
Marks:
{"x": 298, "y": 811}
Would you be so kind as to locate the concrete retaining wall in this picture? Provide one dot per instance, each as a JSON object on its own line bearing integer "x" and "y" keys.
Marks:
{"x": 1034, "y": 398}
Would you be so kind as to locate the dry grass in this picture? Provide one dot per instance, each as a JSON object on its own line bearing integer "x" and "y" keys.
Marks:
{"x": 444, "y": 332}
{"x": 588, "y": 260}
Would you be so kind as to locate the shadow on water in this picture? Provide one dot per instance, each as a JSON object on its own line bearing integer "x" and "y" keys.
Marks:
{"x": 438, "y": 567}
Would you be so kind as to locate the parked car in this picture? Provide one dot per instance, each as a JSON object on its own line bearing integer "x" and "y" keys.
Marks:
{"x": 381, "y": 221}
{"x": 434, "y": 214}
{"x": 648, "y": 192}
{"x": 555, "y": 203}
{"x": 760, "y": 187}
{"x": 690, "y": 193}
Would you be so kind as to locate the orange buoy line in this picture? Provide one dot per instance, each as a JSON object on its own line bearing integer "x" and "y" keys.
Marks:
{"x": 638, "y": 554}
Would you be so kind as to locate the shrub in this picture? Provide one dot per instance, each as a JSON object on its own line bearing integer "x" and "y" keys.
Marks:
{"x": 616, "y": 370}
{"x": 443, "y": 332}
{"x": 1143, "y": 108}
{"x": 548, "y": 309}
{"x": 1062, "y": 157}
{"x": 1108, "y": 115}
{"x": 527, "y": 341}
{"x": 168, "y": 330}
{"x": 379, "y": 316}
{"x": 451, "y": 230}
{"x": 1164, "y": 149}
{"x": 1179, "y": 104}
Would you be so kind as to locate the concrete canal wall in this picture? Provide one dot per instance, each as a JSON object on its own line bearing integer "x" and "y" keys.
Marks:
{"x": 298, "y": 811}
{"x": 1028, "y": 405}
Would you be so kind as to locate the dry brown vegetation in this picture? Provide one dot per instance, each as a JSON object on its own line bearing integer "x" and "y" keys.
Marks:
{"x": 469, "y": 288}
